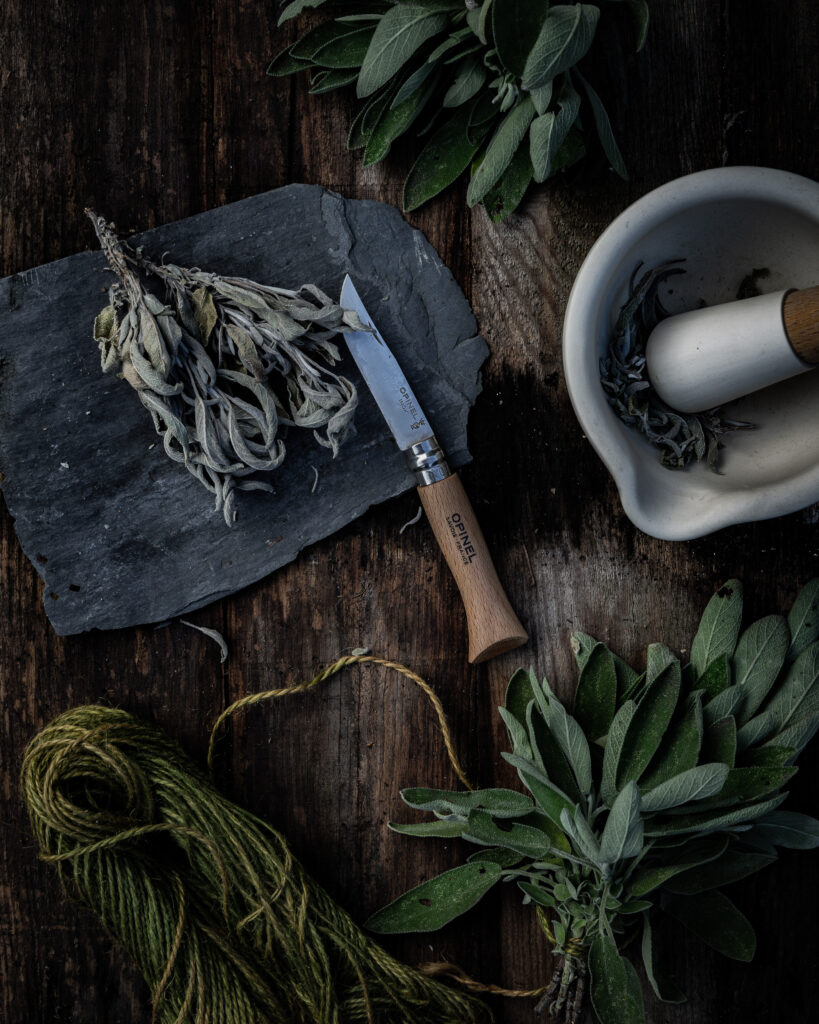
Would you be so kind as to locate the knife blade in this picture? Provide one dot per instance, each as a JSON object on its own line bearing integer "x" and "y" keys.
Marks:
{"x": 492, "y": 624}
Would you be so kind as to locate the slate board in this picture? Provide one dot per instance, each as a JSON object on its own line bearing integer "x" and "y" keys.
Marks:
{"x": 119, "y": 533}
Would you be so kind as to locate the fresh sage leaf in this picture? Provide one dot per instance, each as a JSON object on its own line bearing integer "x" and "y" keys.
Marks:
{"x": 548, "y": 132}
{"x": 444, "y": 158}
{"x": 517, "y": 734}
{"x": 767, "y": 757}
{"x": 604, "y": 131}
{"x": 316, "y": 38}
{"x": 549, "y": 798}
{"x": 595, "y": 700}
{"x": 613, "y": 748}
{"x": 798, "y": 694}
{"x": 506, "y": 194}
{"x": 482, "y": 828}
{"x": 497, "y": 855}
{"x": 394, "y": 122}
{"x": 758, "y": 659}
{"x": 697, "y": 783}
{"x": 399, "y": 33}
{"x": 284, "y": 63}
{"x": 623, "y": 833}
{"x": 469, "y": 79}
{"x": 798, "y": 732}
{"x": 716, "y": 820}
{"x": 803, "y": 619}
{"x": 712, "y": 917}
{"x": 515, "y": 23}
{"x": 732, "y": 866}
{"x": 564, "y": 38}
{"x": 432, "y": 904}
{"x": 716, "y": 678}
{"x": 413, "y": 83}
{"x": 552, "y": 758}
{"x": 720, "y": 742}
{"x": 614, "y": 996}
{"x": 334, "y": 80}
{"x": 347, "y": 51}
{"x": 579, "y": 832}
{"x": 648, "y": 726}
{"x": 649, "y": 877}
{"x": 296, "y": 7}
{"x": 500, "y": 803}
{"x": 569, "y": 737}
{"x": 441, "y": 829}
{"x": 718, "y": 631}
{"x": 745, "y": 784}
{"x": 790, "y": 829}
{"x": 538, "y": 894}
{"x": 501, "y": 150}
{"x": 724, "y": 704}
{"x": 664, "y": 988}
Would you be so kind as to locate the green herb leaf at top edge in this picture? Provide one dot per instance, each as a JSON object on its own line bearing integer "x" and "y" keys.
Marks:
{"x": 640, "y": 14}
{"x": 447, "y": 154}
{"x": 614, "y": 996}
{"x": 803, "y": 619}
{"x": 758, "y": 660}
{"x": 501, "y": 150}
{"x": 712, "y": 917}
{"x": 564, "y": 38}
{"x": 718, "y": 631}
{"x": 401, "y": 31}
{"x": 319, "y": 36}
{"x": 595, "y": 701}
{"x": 432, "y": 904}
{"x": 515, "y": 23}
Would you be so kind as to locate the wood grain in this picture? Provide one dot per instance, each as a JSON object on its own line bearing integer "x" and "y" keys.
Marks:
{"x": 157, "y": 110}
{"x": 800, "y": 313}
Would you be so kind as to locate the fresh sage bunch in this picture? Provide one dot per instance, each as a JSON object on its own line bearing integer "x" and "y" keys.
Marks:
{"x": 489, "y": 86}
{"x": 663, "y": 787}
{"x": 680, "y": 438}
{"x": 224, "y": 364}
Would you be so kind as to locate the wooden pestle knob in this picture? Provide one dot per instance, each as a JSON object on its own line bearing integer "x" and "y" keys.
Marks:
{"x": 493, "y": 625}
{"x": 800, "y": 313}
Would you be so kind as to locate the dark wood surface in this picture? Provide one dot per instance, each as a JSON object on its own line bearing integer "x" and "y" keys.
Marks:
{"x": 157, "y": 110}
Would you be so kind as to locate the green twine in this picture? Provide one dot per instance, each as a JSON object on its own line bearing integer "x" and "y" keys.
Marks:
{"x": 224, "y": 923}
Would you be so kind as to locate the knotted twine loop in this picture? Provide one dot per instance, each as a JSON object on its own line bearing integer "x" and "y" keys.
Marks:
{"x": 222, "y": 920}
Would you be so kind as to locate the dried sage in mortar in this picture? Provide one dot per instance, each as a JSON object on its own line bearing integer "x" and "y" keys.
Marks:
{"x": 223, "y": 364}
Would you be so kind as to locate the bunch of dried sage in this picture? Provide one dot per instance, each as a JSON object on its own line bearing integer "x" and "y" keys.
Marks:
{"x": 223, "y": 364}
{"x": 680, "y": 438}
{"x": 662, "y": 788}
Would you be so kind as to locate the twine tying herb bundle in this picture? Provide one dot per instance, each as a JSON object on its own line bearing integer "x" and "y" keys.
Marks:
{"x": 224, "y": 923}
{"x": 224, "y": 364}
{"x": 663, "y": 787}
{"x": 493, "y": 83}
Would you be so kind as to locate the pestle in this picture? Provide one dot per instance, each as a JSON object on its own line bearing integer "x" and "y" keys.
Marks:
{"x": 710, "y": 356}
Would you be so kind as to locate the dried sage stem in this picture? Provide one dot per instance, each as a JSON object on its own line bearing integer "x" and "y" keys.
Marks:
{"x": 223, "y": 364}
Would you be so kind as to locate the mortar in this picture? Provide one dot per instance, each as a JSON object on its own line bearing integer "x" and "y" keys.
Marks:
{"x": 725, "y": 223}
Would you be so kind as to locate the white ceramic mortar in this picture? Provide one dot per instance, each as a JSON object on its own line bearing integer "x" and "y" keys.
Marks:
{"x": 725, "y": 222}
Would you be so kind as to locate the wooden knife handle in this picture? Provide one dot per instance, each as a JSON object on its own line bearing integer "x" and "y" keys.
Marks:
{"x": 493, "y": 626}
{"x": 800, "y": 313}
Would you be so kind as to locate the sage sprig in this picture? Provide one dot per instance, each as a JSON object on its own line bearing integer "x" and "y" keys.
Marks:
{"x": 492, "y": 86}
{"x": 225, "y": 365}
{"x": 662, "y": 788}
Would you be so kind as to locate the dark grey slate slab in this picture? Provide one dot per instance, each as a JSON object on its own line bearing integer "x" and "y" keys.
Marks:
{"x": 119, "y": 533}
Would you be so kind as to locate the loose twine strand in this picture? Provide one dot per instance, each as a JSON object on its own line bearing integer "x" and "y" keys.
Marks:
{"x": 222, "y": 920}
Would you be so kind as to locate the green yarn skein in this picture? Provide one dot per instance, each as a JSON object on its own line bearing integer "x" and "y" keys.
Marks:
{"x": 224, "y": 923}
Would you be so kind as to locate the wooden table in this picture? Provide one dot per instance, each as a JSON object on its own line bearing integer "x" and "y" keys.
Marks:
{"x": 157, "y": 110}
